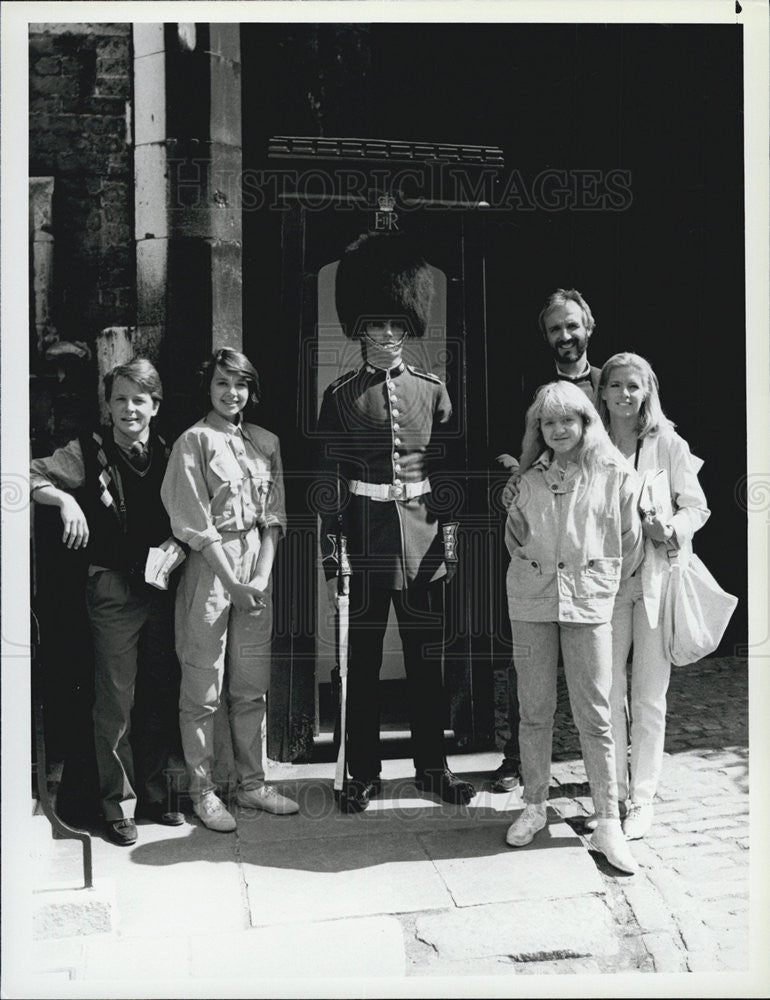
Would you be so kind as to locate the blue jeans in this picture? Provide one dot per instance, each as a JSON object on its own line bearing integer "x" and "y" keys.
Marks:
{"x": 587, "y": 654}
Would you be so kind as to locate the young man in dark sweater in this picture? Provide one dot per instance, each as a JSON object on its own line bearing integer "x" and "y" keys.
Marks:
{"x": 117, "y": 517}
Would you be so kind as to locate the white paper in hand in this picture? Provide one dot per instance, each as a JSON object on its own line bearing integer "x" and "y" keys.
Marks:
{"x": 160, "y": 563}
{"x": 656, "y": 496}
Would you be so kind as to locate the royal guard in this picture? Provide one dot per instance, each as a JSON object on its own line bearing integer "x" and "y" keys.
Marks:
{"x": 381, "y": 428}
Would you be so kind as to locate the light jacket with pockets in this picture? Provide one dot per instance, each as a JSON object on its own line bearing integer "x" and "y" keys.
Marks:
{"x": 571, "y": 540}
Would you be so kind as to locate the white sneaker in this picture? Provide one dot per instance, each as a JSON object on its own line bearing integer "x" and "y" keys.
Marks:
{"x": 590, "y": 822}
{"x": 610, "y": 842}
{"x": 638, "y": 821}
{"x": 523, "y": 830}
{"x": 266, "y": 797}
{"x": 211, "y": 811}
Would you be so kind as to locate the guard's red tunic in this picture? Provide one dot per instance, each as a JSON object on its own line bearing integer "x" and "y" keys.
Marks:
{"x": 390, "y": 428}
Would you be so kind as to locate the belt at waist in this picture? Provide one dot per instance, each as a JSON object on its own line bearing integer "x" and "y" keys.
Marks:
{"x": 389, "y": 491}
{"x": 239, "y": 531}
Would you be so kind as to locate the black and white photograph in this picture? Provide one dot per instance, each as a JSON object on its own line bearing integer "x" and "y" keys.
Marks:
{"x": 385, "y": 499}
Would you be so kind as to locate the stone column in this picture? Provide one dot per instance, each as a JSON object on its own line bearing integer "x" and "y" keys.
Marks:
{"x": 187, "y": 93}
{"x": 41, "y": 244}
{"x": 188, "y": 159}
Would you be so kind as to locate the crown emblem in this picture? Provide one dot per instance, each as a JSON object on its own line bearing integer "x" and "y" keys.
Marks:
{"x": 386, "y": 202}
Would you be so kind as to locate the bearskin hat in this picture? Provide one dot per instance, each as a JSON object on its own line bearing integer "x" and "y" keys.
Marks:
{"x": 383, "y": 276}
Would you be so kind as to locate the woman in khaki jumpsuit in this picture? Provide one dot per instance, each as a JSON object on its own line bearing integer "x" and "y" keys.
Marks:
{"x": 224, "y": 494}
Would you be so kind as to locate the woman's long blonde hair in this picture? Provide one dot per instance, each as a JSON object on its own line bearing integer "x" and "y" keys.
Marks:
{"x": 560, "y": 397}
{"x": 651, "y": 418}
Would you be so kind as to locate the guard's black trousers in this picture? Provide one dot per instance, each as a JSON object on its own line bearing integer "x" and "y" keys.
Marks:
{"x": 420, "y": 616}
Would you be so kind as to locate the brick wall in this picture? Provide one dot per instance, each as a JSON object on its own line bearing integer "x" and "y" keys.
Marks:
{"x": 80, "y": 134}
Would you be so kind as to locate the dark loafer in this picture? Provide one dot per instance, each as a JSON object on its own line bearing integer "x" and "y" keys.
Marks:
{"x": 506, "y": 777}
{"x": 357, "y": 793}
{"x": 155, "y": 813}
{"x": 446, "y": 785}
{"x": 121, "y": 832}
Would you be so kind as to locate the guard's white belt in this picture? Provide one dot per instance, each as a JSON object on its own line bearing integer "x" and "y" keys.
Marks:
{"x": 389, "y": 491}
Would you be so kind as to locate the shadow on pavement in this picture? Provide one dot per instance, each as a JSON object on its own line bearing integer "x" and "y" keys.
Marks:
{"x": 401, "y": 824}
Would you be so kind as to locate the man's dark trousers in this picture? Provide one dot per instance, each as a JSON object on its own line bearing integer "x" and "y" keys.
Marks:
{"x": 419, "y": 612}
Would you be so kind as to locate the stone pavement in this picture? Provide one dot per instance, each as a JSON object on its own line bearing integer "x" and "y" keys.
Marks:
{"x": 424, "y": 893}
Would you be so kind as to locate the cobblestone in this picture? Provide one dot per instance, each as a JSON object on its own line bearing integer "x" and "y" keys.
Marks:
{"x": 650, "y": 910}
{"x": 667, "y": 956}
{"x": 687, "y": 907}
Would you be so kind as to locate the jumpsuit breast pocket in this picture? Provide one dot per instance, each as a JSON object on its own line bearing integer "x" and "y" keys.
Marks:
{"x": 226, "y": 482}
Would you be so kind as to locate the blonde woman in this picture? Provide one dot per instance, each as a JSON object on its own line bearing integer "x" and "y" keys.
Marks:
{"x": 573, "y": 532}
{"x": 630, "y": 409}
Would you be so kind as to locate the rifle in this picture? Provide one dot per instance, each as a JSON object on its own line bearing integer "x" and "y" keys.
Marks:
{"x": 342, "y": 617}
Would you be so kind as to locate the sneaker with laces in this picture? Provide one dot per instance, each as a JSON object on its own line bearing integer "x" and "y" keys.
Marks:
{"x": 268, "y": 798}
{"x": 211, "y": 811}
{"x": 590, "y": 822}
{"x": 523, "y": 830}
{"x": 609, "y": 841}
{"x": 638, "y": 821}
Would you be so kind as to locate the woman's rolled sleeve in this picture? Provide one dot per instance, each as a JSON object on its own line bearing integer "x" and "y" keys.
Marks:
{"x": 185, "y": 495}
{"x": 275, "y": 503}
{"x": 689, "y": 500}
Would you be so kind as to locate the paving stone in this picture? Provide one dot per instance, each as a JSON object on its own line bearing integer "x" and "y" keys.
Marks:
{"x": 702, "y": 825}
{"x": 667, "y": 839}
{"x": 64, "y": 955}
{"x": 68, "y": 911}
{"x": 175, "y": 876}
{"x": 734, "y": 958}
{"x": 331, "y": 878}
{"x": 671, "y": 886}
{"x": 703, "y": 961}
{"x": 665, "y": 953}
{"x": 304, "y": 950}
{"x": 568, "y": 966}
{"x": 726, "y": 800}
{"x": 664, "y": 817}
{"x": 695, "y": 934}
{"x": 714, "y": 849}
{"x": 125, "y": 961}
{"x": 486, "y": 966}
{"x": 696, "y": 865}
{"x": 724, "y": 922}
{"x": 730, "y": 832}
{"x": 535, "y": 930}
{"x": 720, "y": 888}
{"x": 651, "y": 912}
{"x": 645, "y": 855}
{"x": 478, "y": 867}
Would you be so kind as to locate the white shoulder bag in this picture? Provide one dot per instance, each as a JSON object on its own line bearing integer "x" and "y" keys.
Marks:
{"x": 696, "y": 611}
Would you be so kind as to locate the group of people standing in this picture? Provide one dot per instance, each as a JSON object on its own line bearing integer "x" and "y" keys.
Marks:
{"x": 587, "y": 575}
{"x": 215, "y": 504}
{"x": 587, "y": 578}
